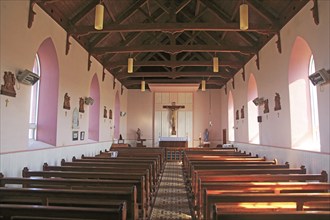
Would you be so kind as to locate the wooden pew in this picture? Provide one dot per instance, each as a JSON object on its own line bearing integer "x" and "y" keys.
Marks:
{"x": 261, "y": 187}
{"x": 234, "y": 166}
{"x": 87, "y": 175}
{"x": 149, "y": 186}
{"x": 91, "y": 184}
{"x": 197, "y": 173}
{"x": 50, "y": 212}
{"x": 126, "y": 161}
{"x": 78, "y": 198}
{"x": 212, "y": 197}
{"x": 301, "y": 215}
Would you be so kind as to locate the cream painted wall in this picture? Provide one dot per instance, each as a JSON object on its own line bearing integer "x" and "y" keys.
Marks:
{"x": 140, "y": 115}
{"x": 273, "y": 77}
{"x": 19, "y": 45}
{"x": 207, "y": 107}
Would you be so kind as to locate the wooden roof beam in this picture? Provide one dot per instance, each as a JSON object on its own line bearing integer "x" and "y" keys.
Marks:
{"x": 173, "y": 49}
{"x": 219, "y": 82}
{"x": 233, "y": 64}
{"x": 169, "y": 27}
{"x": 174, "y": 75}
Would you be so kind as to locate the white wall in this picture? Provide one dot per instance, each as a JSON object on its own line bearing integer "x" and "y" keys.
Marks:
{"x": 275, "y": 131}
{"x": 19, "y": 45}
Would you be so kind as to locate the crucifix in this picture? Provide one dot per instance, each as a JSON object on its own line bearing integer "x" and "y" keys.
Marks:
{"x": 173, "y": 109}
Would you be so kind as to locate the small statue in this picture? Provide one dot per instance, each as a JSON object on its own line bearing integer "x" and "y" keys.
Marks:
{"x": 138, "y": 133}
{"x": 66, "y": 104}
{"x": 206, "y": 135}
{"x": 9, "y": 82}
{"x": 105, "y": 112}
{"x": 81, "y": 105}
{"x": 266, "y": 106}
{"x": 277, "y": 102}
{"x": 237, "y": 115}
{"x": 110, "y": 114}
{"x": 242, "y": 112}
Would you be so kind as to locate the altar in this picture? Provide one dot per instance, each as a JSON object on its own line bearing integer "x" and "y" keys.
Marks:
{"x": 175, "y": 142}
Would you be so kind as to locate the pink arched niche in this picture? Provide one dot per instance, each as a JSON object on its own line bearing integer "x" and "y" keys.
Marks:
{"x": 48, "y": 93}
{"x": 117, "y": 116}
{"x": 300, "y": 110}
{"x": 231, "y": 121}
{"x": 253, "y": 111}
{"x": 94, "y": 110}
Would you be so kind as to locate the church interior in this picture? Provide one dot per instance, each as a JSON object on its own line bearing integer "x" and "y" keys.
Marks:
{"x": 165, "y": 109}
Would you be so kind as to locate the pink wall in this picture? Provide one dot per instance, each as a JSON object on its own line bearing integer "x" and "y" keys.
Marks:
{"x": 48, "y": 98}
{"x": 94, "y": 111}
{"x": 117, "y": 116}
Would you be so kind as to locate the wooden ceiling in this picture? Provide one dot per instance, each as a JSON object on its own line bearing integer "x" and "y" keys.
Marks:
{"x": 172, "y": 41}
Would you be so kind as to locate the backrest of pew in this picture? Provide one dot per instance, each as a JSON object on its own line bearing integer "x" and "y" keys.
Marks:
{"x": 302, "y": 215}
{"x": 92, "y": 197}
{"x": 51, "y": 212}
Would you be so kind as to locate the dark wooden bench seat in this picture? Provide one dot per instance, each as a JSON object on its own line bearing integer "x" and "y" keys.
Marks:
{"x": 76, "y": 198}
{"x": 149, "y": 185}
{"x": 37, "y": 212}
{"x": 293, "y": 215}
{"x": 138, "y": 160}
{"x": 189, "y": 174}
{"x": 188, "y": 167}
{"x": 92, "y": 184}
{"x": 212, "y": 197}
{"x": 261, "y": 187}
{"x": 91, "y": 175}
{"x": 209, "y": 173}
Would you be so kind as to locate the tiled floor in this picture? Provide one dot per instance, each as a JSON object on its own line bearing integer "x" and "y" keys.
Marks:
{"x": 171, "y": 201}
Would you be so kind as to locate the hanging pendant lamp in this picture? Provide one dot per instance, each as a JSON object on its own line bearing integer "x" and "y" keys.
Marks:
{"x": 215, "y": 64}
{"x": 99, "y": 15}
{"x": 244, "y": 16}
{"x": 143, "y": 86}
{"x": 130, "y": 65}
{"x": 203, "y": 85}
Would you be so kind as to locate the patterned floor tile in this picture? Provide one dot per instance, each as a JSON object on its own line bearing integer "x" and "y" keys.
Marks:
{"x": 171, "y": 201}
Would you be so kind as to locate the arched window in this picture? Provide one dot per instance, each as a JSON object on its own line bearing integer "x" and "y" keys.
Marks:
{"x": 231, "y": 119}
{"x": 34, "y": 102}
{"x": 314, "y": 107}
{"x": 94, "y": 110}
{"x": 303, "y": 99}
{"x": 253, "y": 111}
{"x": 47, "y": 105}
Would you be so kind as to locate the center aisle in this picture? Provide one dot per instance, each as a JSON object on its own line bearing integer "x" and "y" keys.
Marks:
{"x": 171, "y": 201}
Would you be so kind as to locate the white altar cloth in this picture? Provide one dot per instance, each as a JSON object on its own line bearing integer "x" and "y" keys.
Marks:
{"x": 173, "y": 138}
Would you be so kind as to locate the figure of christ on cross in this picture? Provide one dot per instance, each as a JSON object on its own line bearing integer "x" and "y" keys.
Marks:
{"x": 173, "y": 109}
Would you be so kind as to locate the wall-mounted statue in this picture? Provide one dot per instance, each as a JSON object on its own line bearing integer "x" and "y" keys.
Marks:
{"x": 110, "y": 114}
{"x": 66, "y": 103}
{"x": 266, "y": 106}
{"x": 242, "y": 112}
{"x": 9, "y": 82}
{"x": 237, "y": 114}
{"x": 105, "y": 112}
{"x": 277, "y": 102}
{"x": 81, "y": 105}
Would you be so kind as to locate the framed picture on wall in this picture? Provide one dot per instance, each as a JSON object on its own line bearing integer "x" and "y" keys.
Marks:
{"x": 75, "y": 135}
{"x": 82, "y": 135}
